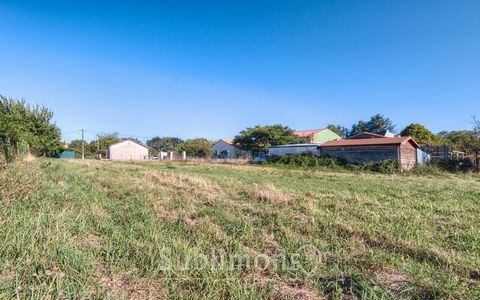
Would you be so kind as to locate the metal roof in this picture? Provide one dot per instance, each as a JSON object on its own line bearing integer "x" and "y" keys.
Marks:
{"x": 296, "y": 145}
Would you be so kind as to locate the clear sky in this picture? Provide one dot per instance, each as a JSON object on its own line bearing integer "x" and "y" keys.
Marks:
{"x": 212, "y": 68}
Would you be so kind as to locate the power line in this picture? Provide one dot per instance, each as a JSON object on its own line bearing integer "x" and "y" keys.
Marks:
{"x": 77, "y": 131}
{"x": 83, "y": 131}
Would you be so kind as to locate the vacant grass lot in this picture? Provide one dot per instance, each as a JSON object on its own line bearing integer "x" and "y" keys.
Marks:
{"x": 89, "y": 229}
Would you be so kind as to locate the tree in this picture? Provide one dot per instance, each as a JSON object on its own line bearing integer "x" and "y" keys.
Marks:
{"x": 476, "y": 130}
{"x": 133, "y": 139}
{"x": 338, "y": 129}
{"x": 164, "y": 143}
{"x": 377, "y": 123}
{"x": 24, "y": 127}
{"x": 476, "y": 127}
{"x": 75, "y": 145}
{"x": 259, "y": 138}
{"x": 103, "y": 141}
{"x": 419, "y": 133}
{"x": 462, "y": 140}
{"x": 198, "y": 147}
{"x": 360, "y": 127}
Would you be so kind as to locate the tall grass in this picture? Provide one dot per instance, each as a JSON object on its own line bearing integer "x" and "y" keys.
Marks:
{"x": 89, "y": 229}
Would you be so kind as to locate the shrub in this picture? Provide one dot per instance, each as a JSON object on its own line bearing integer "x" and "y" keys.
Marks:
{"x": 427, "y": 169}
{"x": 384, "y": 167}
{"x": 307, "y": 160}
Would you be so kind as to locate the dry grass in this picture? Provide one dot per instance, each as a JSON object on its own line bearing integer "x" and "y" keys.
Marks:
{"x": 267, "y": 193}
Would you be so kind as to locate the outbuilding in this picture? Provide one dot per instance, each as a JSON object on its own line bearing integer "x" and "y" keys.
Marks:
{"x": 127, "y": 150}
{"x": 366, "y": 150}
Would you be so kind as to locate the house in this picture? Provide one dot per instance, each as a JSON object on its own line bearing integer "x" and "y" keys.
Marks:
{"x": 226, "y": 148}
{"x": 366, "y": 150}
{"x": 314, "y": 138}
{"x": 317, "y": 135}
{"x": 127, "y": 150}
{"x": 293, "y": 149}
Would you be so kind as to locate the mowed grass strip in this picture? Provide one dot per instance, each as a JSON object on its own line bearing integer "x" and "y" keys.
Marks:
{"x": 99, "y": 229}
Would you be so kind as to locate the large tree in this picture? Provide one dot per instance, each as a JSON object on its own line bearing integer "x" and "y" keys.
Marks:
{"x": 25, "y": 127}
{"x": 164, "y": 143}
{"x": 257, "y": 139}
{"x": 377, "y": 123}
{"x": 419, "y": 133}
{"x": 198, "y": 147}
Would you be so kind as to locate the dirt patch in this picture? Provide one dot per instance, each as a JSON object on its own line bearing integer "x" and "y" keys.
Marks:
{"x": 272, "y": 244}
{"x": 292, "y": 290}
{"x": 124, "y": 285}
{"x": 29, "y": 157}
{"x": 91, "y": 240}
{"x": 392, "y": 279}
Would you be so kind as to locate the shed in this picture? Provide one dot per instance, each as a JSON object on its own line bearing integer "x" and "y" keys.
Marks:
{"x": 293, "y": 149}
{"x": 68, "y": 154}
{"x": 226, "y": 148}
{"x": 401, "y": 149}
{"x": 127, "y": 150}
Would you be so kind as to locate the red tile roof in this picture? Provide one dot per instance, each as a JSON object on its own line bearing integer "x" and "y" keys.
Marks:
{"x": 368, "y": 142}
{"x": 228, "y": 141}
{"x": 307, "y": 133}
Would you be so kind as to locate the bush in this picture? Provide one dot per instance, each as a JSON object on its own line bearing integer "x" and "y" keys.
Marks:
{"x": 305, "y": 160}
{"x": 427, "y": 169}
{"x": 332, "y": 163}
{"x": 384, "y": 167}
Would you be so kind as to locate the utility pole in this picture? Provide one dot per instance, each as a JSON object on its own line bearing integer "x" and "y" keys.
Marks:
{"x": 83, "y": 146}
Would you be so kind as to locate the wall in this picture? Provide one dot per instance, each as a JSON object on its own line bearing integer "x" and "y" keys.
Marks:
{"x": 325, "y": 136}
{"x": 127, "y": 150}
{"x": 293, "y": 149}
{"x": 362, "y": 154}
{"x": 408, "y": 156}
{"x": 423, "y": 157}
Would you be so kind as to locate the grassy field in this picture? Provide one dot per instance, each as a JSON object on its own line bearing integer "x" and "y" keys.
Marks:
{"x": 90, "y": 229}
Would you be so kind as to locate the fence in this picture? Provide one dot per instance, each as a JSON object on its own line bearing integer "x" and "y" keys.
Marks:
{"x": 452, "y": 159}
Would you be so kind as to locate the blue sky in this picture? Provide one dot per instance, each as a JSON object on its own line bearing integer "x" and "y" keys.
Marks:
{"x": 212, "y": 68}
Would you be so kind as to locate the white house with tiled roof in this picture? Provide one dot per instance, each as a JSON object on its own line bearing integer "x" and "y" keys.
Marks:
{"x": 226, "y": 148}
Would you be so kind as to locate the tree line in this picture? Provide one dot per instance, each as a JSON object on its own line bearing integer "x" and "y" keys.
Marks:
{"x": 26, "y": 128}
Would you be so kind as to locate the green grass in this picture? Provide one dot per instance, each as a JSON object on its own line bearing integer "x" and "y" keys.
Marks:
{"x": 90, "y": 229}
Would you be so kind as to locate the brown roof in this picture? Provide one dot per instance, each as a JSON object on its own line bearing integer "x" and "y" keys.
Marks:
{"x": 307, "y": 133}
{"x": 368, "y": 142}
{"x": 228, "y": 141}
